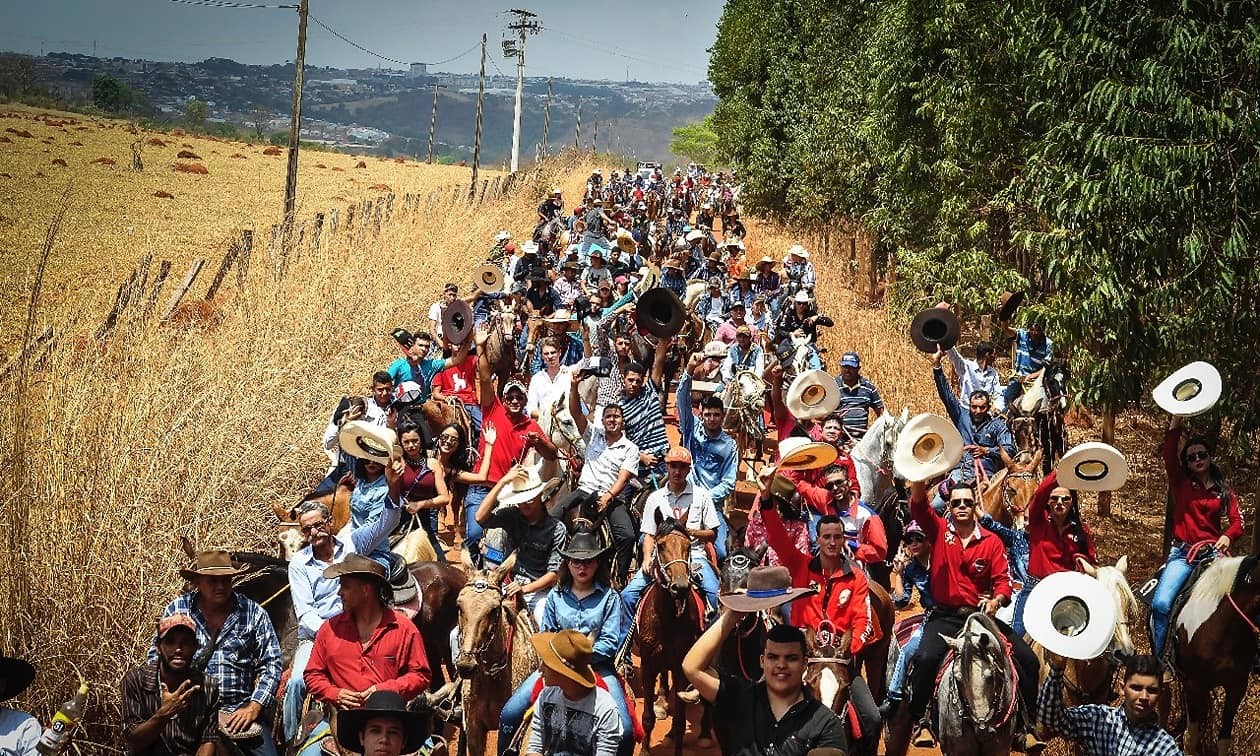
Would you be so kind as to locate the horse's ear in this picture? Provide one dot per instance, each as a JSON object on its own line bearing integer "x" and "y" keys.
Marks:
{"x": 1122, "y": 564}
{"x": 953, "y": 642}
{"x": 505, "y": 569}
{"x": 905, "y": 415}
{"x": 1036, "y": 460}
{"x": 186, "y": 544}
{"x": 659, "y": 517}
{"x": 1086, "y": 566}
{"x": 465, "y": 559}
{"x": 760, "y": 553}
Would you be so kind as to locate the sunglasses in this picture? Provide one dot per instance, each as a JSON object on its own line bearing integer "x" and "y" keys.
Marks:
{"x": 915, "y": 539}
{"x": 315, "y": 526}
{"x": 962, "y": 503}
{"x": 1195, "y": 457}
{"x": 1063, "y": 499}
{"x": 448, "y": 439}
{"x": 836, "y": 485}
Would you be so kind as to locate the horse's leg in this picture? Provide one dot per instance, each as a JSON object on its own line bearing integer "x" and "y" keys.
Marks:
{"x": 647, "y": 678}
{"x": 1234, "y": 690}
{"x": 678, "y": 723}
{"x": 706, "y": 725}
{"x": 1197, "y": 701}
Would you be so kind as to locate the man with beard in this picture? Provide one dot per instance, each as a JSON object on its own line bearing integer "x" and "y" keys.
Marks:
{"x": 985, "y": 436}
{"x": 1132, "y": 727}
{"x": 170, "y": 708}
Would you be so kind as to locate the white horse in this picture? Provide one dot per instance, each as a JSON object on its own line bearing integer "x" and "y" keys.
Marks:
{"x": 560, "y": 427}
{"x": 872, "y": 456}
{"x": 977, "y": 697}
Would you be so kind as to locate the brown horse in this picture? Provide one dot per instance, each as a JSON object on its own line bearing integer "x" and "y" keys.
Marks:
{"x": 500, "y": 349}
{"x": 829, "y": 675}
{"x": 495, "y": 653}
{"x": 1214, "y": 639}
{"x": 1005, "y": 496}
{"x": 669, "y": 621}
{"x": 338, "y": 503}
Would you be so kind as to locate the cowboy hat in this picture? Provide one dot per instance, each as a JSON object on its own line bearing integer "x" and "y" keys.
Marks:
{"x": 813, "y": 394}
{"x": 1009, "y": 302}
{"x": 694, "y": 236}
{"x": 382, "y": 703}
{"x": 362, "y": 439}
{"x": 559, "y": 316}
{"x": 801, "y": 453}
{"x": 356, "y": 564}
{"x": 568, "y": 653}
{"x": 766, "y": 260}
{"x": 212, "y": 563}
{"x": 488, "y": 278}
{"x": 716, "y": 349}
{"x": 1071, "y": 614}
{"x": 768, "y": 588}
{"x": 407, "y": 393}
{"x": 457, "y": 321}
{"x": 935, "y": 327}
{"x": 928, "y": 447}
{"x": 660, "y": 312}
{"x": 16, "y": 675}
{"x": 625, "y": 240}
{"x": 1192, "y": 390}
{"x": 529, "y": 248}
{"x": 1092, "y": 466}
{"x": 521, "y": 491}
{"x": 803, "y": 297}
{"x": 649, "y": 278}
{"x": 798, "y": 251}
{"x": 502, "y": 236}
{"x": 584, "y": 545}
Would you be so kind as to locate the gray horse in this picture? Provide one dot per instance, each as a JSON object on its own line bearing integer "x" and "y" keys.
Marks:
{"x": 977, "y": 698}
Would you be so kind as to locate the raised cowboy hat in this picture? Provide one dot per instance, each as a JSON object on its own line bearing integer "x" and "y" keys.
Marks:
{"x": 489, "y": 278}
{"x": 567, "y": 652}
{"x": 660, "y": 312}
{"x": 457, "y": 322}
{"x": 935, "y": 326}
{"x": 813, "y": 394}
{"x": 1009, "y": 302}
{"x": 801, "y": 453}
{"x": 1092, "y": 466}
{"x": 625, "y": 241}
{"x": 768, "y": 588}
{"x": 694, "y": 236}
{"x": 382, "y": 703}
{"x": 1071, "y": 614}
{"x": 212, "y": 563}
{"x": 559, "y": 316}
{"x": 366, "y": 440}
{"x": 532, "y": 487}
{"x": 584, "y": 545}
{"x": 929, "y": 446}
{"x": 1192, "y": 390}
{"x": 16, "y": 675}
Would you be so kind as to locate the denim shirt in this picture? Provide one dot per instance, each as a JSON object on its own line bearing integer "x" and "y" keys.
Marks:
{"x": 601, "y": 611}
{"x": 714, "y": 459}
{"x": 914, "y": 576}
{"x": 1017, "y": 547}
{"x": 368, "y": 503}
{"x": 992, "y": 434}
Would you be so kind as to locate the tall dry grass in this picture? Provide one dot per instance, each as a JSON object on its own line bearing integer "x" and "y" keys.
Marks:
{"x": 161, "y": 432}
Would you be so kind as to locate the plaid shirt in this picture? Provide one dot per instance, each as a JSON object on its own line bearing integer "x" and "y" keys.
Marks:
{"x": 1100, "y": 730}
{"x": 246, "y": 662}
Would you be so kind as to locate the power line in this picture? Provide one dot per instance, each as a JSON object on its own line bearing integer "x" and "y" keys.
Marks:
{"x": 475, "y": 45}
{"x": 229, "y": 4}
{"x": 354, "y": 44}
{"x": 617, "y": 52}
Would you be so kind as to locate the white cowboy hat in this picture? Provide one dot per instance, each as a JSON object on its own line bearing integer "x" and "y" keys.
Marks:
{"x": 803, "y": 297}
{"x": 716, "y": 349}
{"x": 1092, "y": 466}
{"x": 489, "y": 278}
{"x": 1192, "y": 390}
{"x": 1071, "y": 614}
{"x": 365, "y": 440}
{"x": 928, "y": 447}
{"x": 799, "y": 251}
{"x": 502, "y": 236}
{"x": 521, "y": 491}
{"x": 529, "y": 248}
{"x": 813, "y": 394}
{"x": 694, "y": 236}
{"x": 800, "y": 453}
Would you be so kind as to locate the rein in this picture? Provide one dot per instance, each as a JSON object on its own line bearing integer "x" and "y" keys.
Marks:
{"x": 478, "y": 652}
{"x": 1255, "y": 630}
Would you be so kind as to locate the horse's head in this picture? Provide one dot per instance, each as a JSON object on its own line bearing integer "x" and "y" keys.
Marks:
{"x": 981, "y": 671}
{"x": 1114, "y": 579}
{"x": 289, "y": 536}
{"x": 672, "y": 559}
{"x": 829, "y": 672}
{"x": 482, "y": 605}
{"x": 562, "y": 428}
{"x": 738, "y": 563}
{"x": 1054, "y": 383}
{"x": 1018, "y": 486}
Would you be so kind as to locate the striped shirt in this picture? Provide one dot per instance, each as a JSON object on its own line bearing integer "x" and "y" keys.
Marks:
{"x": 182, "y": 734}
{"x": 246, "y": 660}
{"x": 1100, "y": 730}
{"x": 1030, "y": 358}
{"x": 855, "y": 401}
{"x": 645, "y": 423}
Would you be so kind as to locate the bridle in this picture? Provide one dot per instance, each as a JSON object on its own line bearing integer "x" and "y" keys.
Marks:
{"x": 1005, "y": 691}
{"x": 1008, "y": 493}
{"x": 660, "y": 572}
{"x": 478, "y": 653}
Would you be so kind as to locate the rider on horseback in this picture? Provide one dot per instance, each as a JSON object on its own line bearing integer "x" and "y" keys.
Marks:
{"x": 1032, "y": 351}
{"x": 551, "y": 208}
{"x": 715, "y": 453}
{"x": 985, "y": 436}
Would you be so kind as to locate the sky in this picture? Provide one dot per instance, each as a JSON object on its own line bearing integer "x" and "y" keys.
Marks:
{"x": 661, "y": 40}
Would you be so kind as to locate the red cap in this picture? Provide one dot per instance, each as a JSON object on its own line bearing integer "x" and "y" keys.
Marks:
{"x": 167, "y": 624}
{"x": 678, "y": 454}
{"x": 509, "y": 247}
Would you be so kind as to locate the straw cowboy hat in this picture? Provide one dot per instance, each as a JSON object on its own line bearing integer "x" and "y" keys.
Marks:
{"x": 489, "y": 278}
{"x": 801, "y": 453}
{"x": 1192, "y": 390}
{"x": 1092, "y": 466}
{"x": 929, "y": 446}
{"x": 16, "y": 675}
{"x": 935, "y": 327}
{"x": 211, "y": 563}
{"x": 568, "y": 653}
{"x": 1071, "y": 614}
{"x": 366, "y": 440}
{"x": 457, "y": 321}
{"x": 766, "y": 260}
{"x": 561, "y": 315}
{"x": 625, "y": 241}
{"x": 521, "y": 491}
{"x": 382, "y": 703}
{"x": 798, "y": 251}
{"x": 813, "y": 394}
{"x": 768, "y": 588}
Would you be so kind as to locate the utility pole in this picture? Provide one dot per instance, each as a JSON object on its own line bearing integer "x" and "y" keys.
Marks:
{"x": 295, "y": 119}
{"x": 481, "y": 96}
{"x": 433, "y": 122}
{"x": 526, "y": 23}
{"x": 546, "y": 119}
{"x": 577, "y": 129}
{"x": 595, "y": 135}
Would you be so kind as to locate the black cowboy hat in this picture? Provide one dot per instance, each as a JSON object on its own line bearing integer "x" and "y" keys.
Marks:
{"x": 457, "y": 322}
{"x": 16, "y": 675}
{"x": 383, "y": 703}
{"x": 935, "y": 326}
{"x": 1009, "y": 302}
{"x": 660, "y": 312}
{"x": 403, "y": 337}
{"x": 584, "y": 545}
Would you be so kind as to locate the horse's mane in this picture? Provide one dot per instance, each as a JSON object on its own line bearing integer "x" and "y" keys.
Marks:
{"x": 670, "y": 526}
{"x": 254, "y": 559}
{"x": 988, "y": 624}
{"x": 1208, "y": 591}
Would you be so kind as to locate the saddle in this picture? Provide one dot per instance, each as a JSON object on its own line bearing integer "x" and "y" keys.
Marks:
{"x": 406, "y": 589}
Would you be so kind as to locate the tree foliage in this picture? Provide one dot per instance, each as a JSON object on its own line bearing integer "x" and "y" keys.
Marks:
{"x": 111, "y": 95}
{"x": 195, "y": 114}
{"x": 1102, "y": 155}
{"x": 695, "y": 142}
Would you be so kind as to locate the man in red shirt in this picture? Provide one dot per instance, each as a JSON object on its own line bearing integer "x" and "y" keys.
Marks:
{"x": 369, "y": 647}
{"x": 460, "y": 382}
{"x": 968, "y": 573}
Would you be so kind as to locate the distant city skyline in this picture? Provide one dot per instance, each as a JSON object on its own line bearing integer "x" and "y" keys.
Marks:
{"x": 658, "y": 41}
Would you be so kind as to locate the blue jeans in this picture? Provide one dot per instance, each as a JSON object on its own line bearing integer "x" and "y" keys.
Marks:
{"x": 472, "y": 528}
{"x": 295, "y": 691}
{"x": 1013, "y": 391}
{"x": 1021, "y": 598}
{"x": 474, "y": 415}
{"x": 639, "y": 583}
{"x": 897, "y": 683}
{"x": 723, "y": 532}
{"x": 1176, "y": 571}
{"x": 514, "y": 710}
{"x": 429, "y": 521}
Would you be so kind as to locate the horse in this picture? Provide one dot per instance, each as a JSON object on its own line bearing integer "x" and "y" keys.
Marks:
{"x": 741, "y": 652}
{"x": 1036, "y": 416}
{"x": 548, "y": 232}
{"x": 976, "y": 692}
{"x": 500, "y": 348}
{"x": 872, "y": 455}
{"x": 556, "y": 421}
{"x": 495, "y": 652}
{"x": 1005, "y": 496}
{"x": 1214, "y": 645}
{"x": 745, "y": 400}
{"x": 830, "y": 679}
{"x": 669, "y": 620}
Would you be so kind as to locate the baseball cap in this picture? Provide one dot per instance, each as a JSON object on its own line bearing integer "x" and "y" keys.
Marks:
{"x": 167, "y": 624}
{"x": 513, "y": 385}
{"x": 679, "y": 455}
{"x": 622, "y": 279}
{"x": 850, "y": 359}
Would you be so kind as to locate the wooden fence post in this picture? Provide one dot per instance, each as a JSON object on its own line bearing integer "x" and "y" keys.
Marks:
{"x": 164, "y": 270}
{"x": 317, "y": 231}
{"x": 183, "y": 288}
{"x": 494, "y": 187}
{"x": 349, "y": 217}
{"x": 481, "y": 196}
{"x": 242, "y": 266}
{"x": 1108, "y": 437}
{"x": 333, "y": 218}
{"x": 234, "y": 249}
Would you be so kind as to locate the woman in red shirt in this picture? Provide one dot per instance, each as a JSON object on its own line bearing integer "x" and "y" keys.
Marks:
{"x": 1204, "y": 511}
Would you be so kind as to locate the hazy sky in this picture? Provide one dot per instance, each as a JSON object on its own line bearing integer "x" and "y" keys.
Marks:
{"x": 660, "y": 40}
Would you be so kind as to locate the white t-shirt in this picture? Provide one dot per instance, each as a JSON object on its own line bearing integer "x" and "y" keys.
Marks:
{"x": 435, "y": 314}
{"x": 694, "y": 506}
{"x": 544, "y": 390}
{"x": 605, "y": 462}
{"x": 589, "y": 726}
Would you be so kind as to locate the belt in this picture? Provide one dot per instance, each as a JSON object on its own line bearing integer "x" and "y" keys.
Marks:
{"x": 952, "y": 611}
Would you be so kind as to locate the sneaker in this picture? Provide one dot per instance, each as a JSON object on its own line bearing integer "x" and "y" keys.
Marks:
{"x": 923, "y": 737}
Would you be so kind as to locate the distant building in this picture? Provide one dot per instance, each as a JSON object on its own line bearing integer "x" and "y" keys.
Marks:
{"x": 418, "y": 70}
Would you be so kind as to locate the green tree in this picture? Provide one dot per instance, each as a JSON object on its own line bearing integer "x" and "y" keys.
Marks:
{"x": 696, "y": 142}
{"x": 110, "y": 94}
{"x": 195, "y": 114}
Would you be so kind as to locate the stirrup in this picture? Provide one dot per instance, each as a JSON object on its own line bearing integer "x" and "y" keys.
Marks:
{"x": 923, "y": 736}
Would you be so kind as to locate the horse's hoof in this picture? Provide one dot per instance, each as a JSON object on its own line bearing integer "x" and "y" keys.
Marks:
{"x": 661, "y": 710}
{"x": 705, "y": 742}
